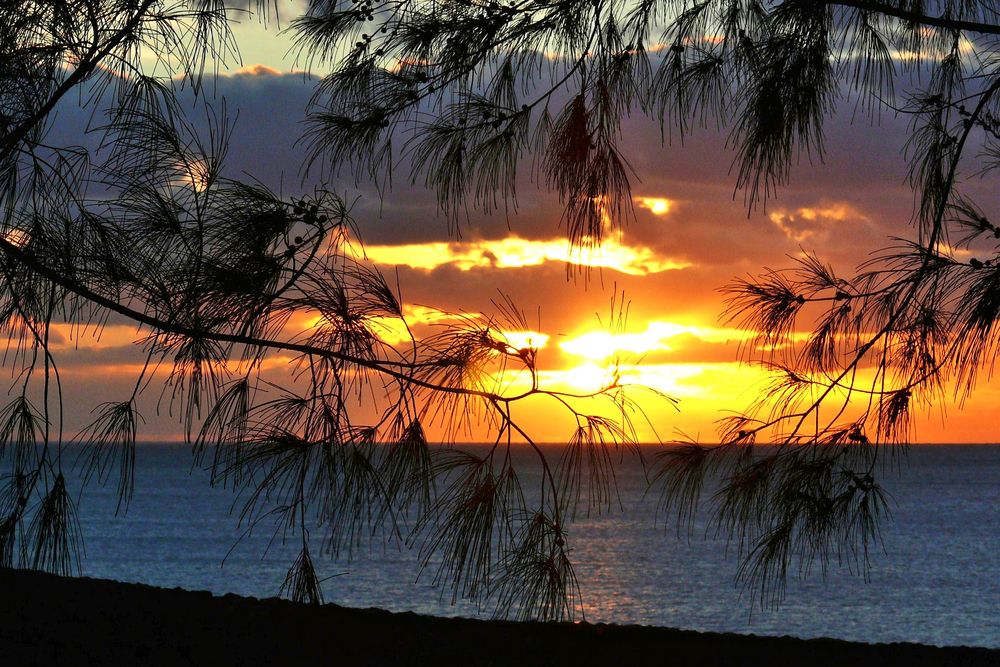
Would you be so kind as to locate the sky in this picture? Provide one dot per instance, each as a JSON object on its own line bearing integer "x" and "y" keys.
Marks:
{"x": 691, "y": 235}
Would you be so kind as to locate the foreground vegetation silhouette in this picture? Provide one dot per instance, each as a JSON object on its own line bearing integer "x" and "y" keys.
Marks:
{"x": 225, "y": 276}
{"x": 221, "y": 274}
{"x": 474, "y": 88}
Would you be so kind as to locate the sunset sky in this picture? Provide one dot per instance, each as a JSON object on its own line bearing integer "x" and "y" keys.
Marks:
{"x": 691, "y": 235}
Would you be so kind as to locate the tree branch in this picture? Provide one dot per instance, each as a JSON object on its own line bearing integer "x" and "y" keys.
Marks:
{"x": 399, "y": 370}
{"x": 917, "y": 17}
{"x": 95, "y": 56}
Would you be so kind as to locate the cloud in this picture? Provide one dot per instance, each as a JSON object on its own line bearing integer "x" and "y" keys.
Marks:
{"x": 255, "y": 70}
{"x": 515, "y": 252}
{"x": 416, "y": 321}
{"x": 656, "y": 205}
{"x": 812, "y": 223}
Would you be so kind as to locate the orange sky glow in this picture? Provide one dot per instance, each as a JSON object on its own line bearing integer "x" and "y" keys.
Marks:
{"x": 673, "y": 345}
{"x": 658, "y": 354}
{"x": 689, "y": 236}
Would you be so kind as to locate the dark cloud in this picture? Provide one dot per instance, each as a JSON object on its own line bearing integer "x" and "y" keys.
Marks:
{"x": 710, "y": 223}
{"x": 132, "y": 355}
{"x": 271, "y": 107}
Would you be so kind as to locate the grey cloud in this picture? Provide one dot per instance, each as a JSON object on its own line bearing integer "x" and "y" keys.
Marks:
{"x": 863, "y": 166}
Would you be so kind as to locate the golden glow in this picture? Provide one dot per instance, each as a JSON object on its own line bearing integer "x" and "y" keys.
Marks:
{"x": 966, "y": 49}
{"x": 676, "y": 380}
{"x": 601, "y": 204}
{"x": 256, "y": 70}
{"x": 17, "y": 237}
{"x": 588, "y": 377}
{"x": 705, "y": 390}
{"x": 600, "y": 345}
{"x": 520, "y": 340}
{"x": 390, "y": 330}
{"x": 953, "y": 251}
{"x": 656, "y": 205}
{"x": 515, "y": 252}
{"x": 400, "y": 64}
{"x": 192, "y": 173}
{"x": 394, "y": 331}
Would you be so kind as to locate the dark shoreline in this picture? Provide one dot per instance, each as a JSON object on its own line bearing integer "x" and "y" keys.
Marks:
{"x": 51, "y": 620}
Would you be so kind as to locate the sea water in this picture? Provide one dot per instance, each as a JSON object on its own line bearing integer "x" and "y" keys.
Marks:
{"x": 937, "y": 582}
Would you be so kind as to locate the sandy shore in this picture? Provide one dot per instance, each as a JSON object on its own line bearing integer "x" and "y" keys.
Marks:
{"x": 50, "y": 620}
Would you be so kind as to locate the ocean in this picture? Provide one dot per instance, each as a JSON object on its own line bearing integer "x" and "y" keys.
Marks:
{"x": 937, "y": 582}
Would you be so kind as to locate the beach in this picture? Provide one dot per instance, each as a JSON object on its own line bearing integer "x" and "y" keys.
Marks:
{"x": 51, "y": 620}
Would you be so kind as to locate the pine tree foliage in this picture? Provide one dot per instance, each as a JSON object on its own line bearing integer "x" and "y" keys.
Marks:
{"x": 463, "y": 91}
{"x": 222, "y": 277}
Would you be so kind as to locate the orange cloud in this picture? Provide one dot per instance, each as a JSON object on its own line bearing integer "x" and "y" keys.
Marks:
{"x": 656, "y": 205}
{"x": 64, "y": 337}
{"x": 416, "y": 319}
{"x": 808, "y": 222}
{"x": 394, "y": 331}
{"x": 515, "y": 252}
{"x": 256, "y": 70}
